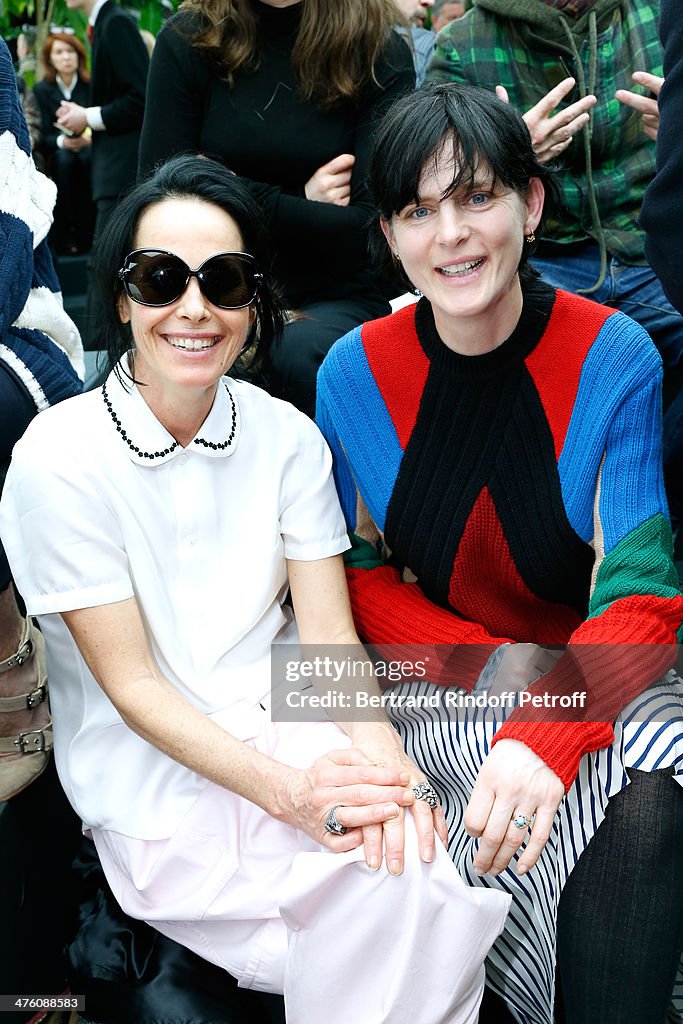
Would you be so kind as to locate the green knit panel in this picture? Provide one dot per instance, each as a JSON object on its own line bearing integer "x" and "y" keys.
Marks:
{"x": 362, "y": 554}
{"x": 641, "y": 563}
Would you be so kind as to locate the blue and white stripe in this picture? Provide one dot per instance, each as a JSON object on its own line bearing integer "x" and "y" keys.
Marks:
{"x": 450, "y": 749}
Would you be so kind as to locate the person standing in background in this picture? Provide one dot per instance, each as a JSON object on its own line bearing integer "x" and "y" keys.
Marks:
{"x": 68, "y": 156}
{"x": 288, "y": 95}
{"x": 444, "y": 11}
{"x": 419, "y": 38}
{"x": 119, "y": 78}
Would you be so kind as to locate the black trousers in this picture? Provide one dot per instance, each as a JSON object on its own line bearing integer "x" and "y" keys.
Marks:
{"x": 305, "y": 343}
{"x": 620, "y": 921}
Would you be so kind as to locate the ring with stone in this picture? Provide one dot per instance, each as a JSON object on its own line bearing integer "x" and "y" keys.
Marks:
{"x": 332, "y": 823}
{"x": 521, "y": 820}
{"x": 425, "y": 791}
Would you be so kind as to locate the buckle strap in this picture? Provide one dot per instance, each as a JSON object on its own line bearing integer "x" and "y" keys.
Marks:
{"x": 33, "y": 741}
{"x": 24, "y": 652}
{"x": 24, "y": 701}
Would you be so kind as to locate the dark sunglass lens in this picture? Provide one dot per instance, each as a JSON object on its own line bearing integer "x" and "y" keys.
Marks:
{"x": 155, "y": 279}
{"x": 228, "y": 281}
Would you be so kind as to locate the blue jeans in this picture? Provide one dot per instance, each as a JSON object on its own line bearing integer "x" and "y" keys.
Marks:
{"x": 637, "y": 292}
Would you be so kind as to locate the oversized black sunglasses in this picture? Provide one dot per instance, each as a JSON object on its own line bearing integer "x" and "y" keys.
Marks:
{"x": 154, "y": 277}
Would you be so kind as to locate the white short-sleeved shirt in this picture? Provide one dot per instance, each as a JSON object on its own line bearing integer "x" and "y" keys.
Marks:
{"x": 198, "y": 535}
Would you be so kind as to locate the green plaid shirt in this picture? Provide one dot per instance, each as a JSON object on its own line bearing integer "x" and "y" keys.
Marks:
{"x": 516, "y": 43}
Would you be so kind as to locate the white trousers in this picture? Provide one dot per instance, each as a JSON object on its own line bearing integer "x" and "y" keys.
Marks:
{"x": 283, "y": 914}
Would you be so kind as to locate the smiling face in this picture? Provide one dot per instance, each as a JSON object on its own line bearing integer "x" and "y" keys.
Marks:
{"x": 463, "y": 252}
{"x": 64, "y": 59}
{"x": 183, "y": 349}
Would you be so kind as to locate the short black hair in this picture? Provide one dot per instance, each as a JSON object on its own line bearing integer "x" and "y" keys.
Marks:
{"x": 187, "y": 177}
{"x": 480, "y": 128}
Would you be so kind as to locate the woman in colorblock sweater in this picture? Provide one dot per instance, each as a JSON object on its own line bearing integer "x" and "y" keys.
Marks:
{"x": 497, "y": 454}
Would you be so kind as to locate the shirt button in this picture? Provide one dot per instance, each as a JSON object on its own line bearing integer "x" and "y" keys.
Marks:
{"x": 182, "y": 459}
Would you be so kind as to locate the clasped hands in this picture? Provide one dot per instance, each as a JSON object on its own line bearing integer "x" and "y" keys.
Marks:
{"x": 72, "y": 116}
{"x": 371, "y": 788}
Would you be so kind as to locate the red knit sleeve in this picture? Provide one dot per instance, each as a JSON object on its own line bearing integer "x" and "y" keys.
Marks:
{"x": 387, "y": 610}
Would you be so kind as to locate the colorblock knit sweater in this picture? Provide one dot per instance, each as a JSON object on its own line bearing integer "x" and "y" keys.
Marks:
{"x": 38, "y": 340}
{"x": 523, "y": 489}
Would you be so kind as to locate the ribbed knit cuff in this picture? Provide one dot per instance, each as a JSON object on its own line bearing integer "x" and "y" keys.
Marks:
{"x": 560, "y": 744}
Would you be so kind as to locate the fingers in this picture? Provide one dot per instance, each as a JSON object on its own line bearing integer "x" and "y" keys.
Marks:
{"x": 502, "y": 93}
{"x": 652, "y": 82}
{"x": 643, "y": 104}
{"x": 341, "y": 164}
{"x": 552, "y": 99}
{"x": 364, "y": 769}
{"x": 440, "y": 826}
{"x": 372, "y": 841}
{"x": 540, "y": 833}
{"x": 331, "y": 183}
{"x": 367, "y": 816}
{"x": 425, "y": 822}
{"x": 394, "y": 840}
{"x": 647, "y": 106}
{"x": 551, "y": 133}
{"x": 493, "y": 837}
{"x": 512, "y": 781}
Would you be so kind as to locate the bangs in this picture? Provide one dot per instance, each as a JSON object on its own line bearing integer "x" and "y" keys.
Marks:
{"x": 483, "y": 138}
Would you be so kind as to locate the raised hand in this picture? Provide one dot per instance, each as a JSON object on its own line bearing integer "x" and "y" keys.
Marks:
{"x": 552, "y": 133}
{"x": 646, "y": 105}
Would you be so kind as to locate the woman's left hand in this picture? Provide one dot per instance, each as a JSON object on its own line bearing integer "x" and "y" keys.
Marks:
{"x": 513, "y": 781}
{"x": 645, "y": 105}
{"x": 382, "y": 746}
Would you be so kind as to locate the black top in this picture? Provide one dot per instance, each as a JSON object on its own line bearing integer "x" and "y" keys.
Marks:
{"x": 275, "y": 142}
{"x": 49, "y": 97}
{"x": 119, "y": 75}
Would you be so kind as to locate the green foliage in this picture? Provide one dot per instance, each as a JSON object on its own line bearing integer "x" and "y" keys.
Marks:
{"x": 42, "y": 14}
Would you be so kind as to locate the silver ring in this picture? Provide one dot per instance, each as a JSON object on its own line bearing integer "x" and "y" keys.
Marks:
{"x": 521, "y": 820}
{"x": 425, "y": 791}
{"x": 332, "y": 824}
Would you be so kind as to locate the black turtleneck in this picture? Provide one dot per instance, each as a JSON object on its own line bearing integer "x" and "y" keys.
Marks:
{"x": 275, "y": 142}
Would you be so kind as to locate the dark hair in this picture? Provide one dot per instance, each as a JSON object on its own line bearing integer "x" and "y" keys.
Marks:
{"x": 481, "y": 130}
{"x": 74, "y": 42}
{"x": 337, "y": 44}
{"x": 187, "y": 177}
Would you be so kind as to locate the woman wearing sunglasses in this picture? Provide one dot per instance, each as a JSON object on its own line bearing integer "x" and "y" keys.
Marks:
{"x": 156, "y": 527}
{"x": 287, "y": 93}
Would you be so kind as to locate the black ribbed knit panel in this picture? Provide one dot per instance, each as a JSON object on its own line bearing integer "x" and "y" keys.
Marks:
{"x": 481, "y": 423}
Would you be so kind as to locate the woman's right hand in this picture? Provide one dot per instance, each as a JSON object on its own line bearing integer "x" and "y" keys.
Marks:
{"x": 512, "y": 781}
{"x": 363, "y": 793}
{"x": 331, "y": 183}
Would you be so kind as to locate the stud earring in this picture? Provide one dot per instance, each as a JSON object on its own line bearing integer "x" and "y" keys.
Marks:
{"x": 396, "y": 257}
{"x": 530, "y": 238}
